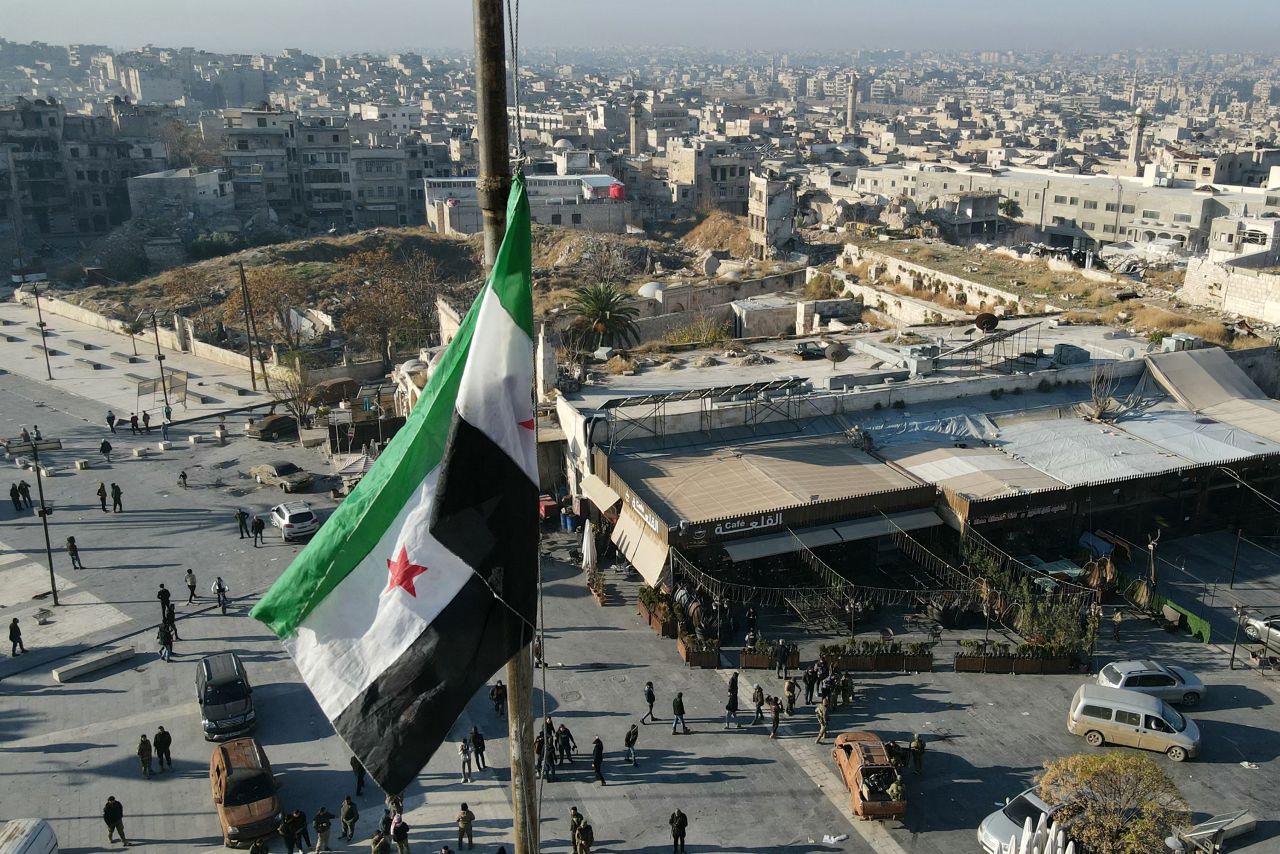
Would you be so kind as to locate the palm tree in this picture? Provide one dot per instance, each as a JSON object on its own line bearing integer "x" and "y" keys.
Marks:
{"x": 602, "y": 311}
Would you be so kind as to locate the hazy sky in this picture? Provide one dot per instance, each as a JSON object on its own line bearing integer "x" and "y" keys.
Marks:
{"x": 340, "y": 26}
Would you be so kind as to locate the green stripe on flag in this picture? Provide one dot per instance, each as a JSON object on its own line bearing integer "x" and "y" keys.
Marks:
{"x": 513, "y": 268}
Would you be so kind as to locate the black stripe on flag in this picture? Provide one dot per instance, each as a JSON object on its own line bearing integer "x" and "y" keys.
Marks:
{"x": 485, "y": 512}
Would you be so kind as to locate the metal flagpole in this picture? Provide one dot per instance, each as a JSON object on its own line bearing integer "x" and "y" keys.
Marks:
{"x": 492, "y": 188}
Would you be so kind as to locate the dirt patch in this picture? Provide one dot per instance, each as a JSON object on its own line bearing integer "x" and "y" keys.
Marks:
{"x": 721, "y": 232}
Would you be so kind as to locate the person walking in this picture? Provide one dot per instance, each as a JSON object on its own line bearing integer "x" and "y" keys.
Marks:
{"x": 400, "y": 833}
{"x": 1116, "y": 619}
{"x": 464, "y": 756}
{"x": 144, "y": 756}
{"x": 15, "y": 638}
{"x": 111, "y": 421}
{"x": 73, "y": 552}
{"x": 146, "y": 421}
{"x": 133, "y": 423}
{"x": 165, "y": 637}
{"x": 679, "y": 826}
{"x": 731, "y": 710}
{"x": 576, "y": 821}
{"x": 586, "y": 838}
{"x": 257, "y": 528}
{"x": 378, "y": 844}
{"x": 171, "y": 620}
{"x": 242, "y": 522}
{"x": 498, "y": 696}
{"x": 810, "y": 680}
{"x": 565, "y": 744}
{"x": 323, "y": 823}
{"x": 789, "y": 688}
{"x": 917, "y": 753}
{"x": 775, "y": 715}
{"x": 116, "y": 492}
{"x": 16, "y": 497}
{"x": 597, "y": 758}
{"x": 677, "y": 712}
{"x": 822, "y": 721}
{"x": 182, "y": 479}
{"x": 260, "y": 846}
{"x": 161, "y": 743}
{"x": 357, "y": 768}
{"x": 102, "y": 495}
{"x": 105, "y": 450}
{"x": 24, "y": 491}
{"x": 300, "y": 828}
{"x": 552, "y": 738}
{"x": 477, "y": 748}
{"x": 288, "y": 833}
{"x": 629, "y": 742}
{"x": 757, "y": 700}
{"x": 348, "y": 814}
{"x": 190, "y": 579}
{"x": 219, "y": 591}
{"x": 650, "y": 698}
{"x": 465, "y": 819}
{"x": 113, "y": 818}
{"x": 163, "y": 595}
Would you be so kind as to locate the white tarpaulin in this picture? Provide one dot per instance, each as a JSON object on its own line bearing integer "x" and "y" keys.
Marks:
{"x": 643, "y": 551}
{"x": 1209, "y": 382}
{"x": 601, "y": 495}
{"x": 861, "y": 529}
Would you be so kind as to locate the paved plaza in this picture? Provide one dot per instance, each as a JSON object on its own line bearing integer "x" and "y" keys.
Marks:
{"x": 65, "y": 748}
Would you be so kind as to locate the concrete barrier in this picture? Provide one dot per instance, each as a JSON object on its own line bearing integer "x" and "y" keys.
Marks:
{"x": 195, "y": 439}
{"x": 39, "y": 348}
{"x": 231, "y": 389}
{"x": 164, "y": 445}
{"x": 79, "y": 345}
{"x": 91, "y": 363}
{"x": 9, "y": 339}
{"x": 140, "y": 453}
{"x": 81, "y": 465}
{"x": 92, "y": 663}
{"x": 126, "y": 358}
{"x": 46, "y": 471}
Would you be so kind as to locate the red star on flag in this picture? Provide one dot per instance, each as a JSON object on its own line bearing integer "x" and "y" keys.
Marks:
{"x": 403, "y": 572}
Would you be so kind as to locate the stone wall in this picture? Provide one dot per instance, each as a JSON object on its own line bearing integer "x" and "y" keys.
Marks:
{"x": 656, "y": 328}
{"x": 975, "y": 296}
{"x": 906, "y": 311}
{"x": 693, "y": 297}
{"x": 1235, "y": 288}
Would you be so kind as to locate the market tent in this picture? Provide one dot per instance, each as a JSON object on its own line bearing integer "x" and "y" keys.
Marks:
{"x": 601, "y": 495}
{"x": 642, "y": 550}
{"x": 861, "y": 529}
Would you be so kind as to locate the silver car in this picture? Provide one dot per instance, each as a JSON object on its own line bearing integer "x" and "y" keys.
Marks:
{"x": 1167, "y": 681}
{"x": 1006, "y": 823}
{"x": 1265, "y": 630}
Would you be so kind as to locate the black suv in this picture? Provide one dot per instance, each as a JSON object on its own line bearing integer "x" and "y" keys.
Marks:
{"x": 225, "y": 698}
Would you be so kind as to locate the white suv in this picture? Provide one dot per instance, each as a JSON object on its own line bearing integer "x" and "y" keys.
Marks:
{"x": 294, "y": 519}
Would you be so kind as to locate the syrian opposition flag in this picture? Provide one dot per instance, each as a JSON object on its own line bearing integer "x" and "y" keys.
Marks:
{"x": 423, "y": 582}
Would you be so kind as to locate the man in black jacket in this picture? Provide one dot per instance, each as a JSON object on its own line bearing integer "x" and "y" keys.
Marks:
{"x": 477, "y": 747}
{"x": 160, "y": 744}
{"x": 679, "y": 823}
{"x": 597, "y": 758}
{"x": 113, "y": 817}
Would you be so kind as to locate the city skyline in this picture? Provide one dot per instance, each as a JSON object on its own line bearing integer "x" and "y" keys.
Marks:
{"x": 323, "y": 27}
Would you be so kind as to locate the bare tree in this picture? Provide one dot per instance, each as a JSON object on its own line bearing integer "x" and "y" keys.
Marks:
{"x": 1102, "y": 388}
{"x": 294, "y": 388}
{"x": 605, "y": 263}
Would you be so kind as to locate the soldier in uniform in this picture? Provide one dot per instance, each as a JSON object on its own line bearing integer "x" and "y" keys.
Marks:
{"x": 822, "y": 721}
{"x": 917, "y": 753}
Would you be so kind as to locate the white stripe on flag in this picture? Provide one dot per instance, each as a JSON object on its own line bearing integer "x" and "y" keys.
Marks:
{"x": 495, "y": 393}
{"x": 361, "y": 627}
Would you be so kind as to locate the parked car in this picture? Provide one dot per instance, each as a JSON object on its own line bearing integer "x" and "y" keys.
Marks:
{"x": 287, "y": 476}
{"x": 272, "y": 427}
{"x": 294, "y": 519}
{"x": 336, "y": 390}
{"x": 1006, "y": 823}
{"x": 244, "y": 792}
{"x": 28, "y": 836}
{"x": 225, "y": 697}
{"x": 1166, "y": 681}
{"x": 864, "y": 763}
{"x": 1265, "y": 630}
{"x": 1116, "y": 716}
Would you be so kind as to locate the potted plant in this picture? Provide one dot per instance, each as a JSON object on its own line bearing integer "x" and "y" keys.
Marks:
{"x": 698, "y": 651}
{"x": 918, "y": 657}
{"x": 1029, "y": 659}
{"x": 972, "y": 656}
{"x": 655, "y": 609}
{"x": 595, "y": 583}
{"x": 888, "y": 656}
{"x": 758, "y": 656}
{"x": 999, "y": 660}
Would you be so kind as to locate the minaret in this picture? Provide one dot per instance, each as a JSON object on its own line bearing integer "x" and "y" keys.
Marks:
{"x": 851, "y": 104}
{"x": 635, "y": 114}
{"x": 1133, "y": 92}
{"x": 1135, "y": 141}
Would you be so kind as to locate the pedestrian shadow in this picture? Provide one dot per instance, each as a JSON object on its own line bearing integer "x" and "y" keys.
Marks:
{"x": 1230, "y": 697}
{"x": 63, "y": 747}
{"x": 958, "y": 792}
{"x": 1232, "y": 743}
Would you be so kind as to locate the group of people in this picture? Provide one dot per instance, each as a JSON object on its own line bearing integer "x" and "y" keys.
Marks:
{"x": 117, "y": 495}
{"x": 250, "y": 526}
{"x": 157, "y": 748}
{"x": 137, "y": 425}
{"x": 20, "y": 495}
{"x": 553, "y": 746}
{"x": 167, "y": 631}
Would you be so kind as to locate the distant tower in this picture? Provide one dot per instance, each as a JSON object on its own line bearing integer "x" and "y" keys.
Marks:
{"x": 635, "y": 115}
{"x": 1133, "y": 92}
{"x": 1135, "y": 141}
{"x": 851, "y": 104}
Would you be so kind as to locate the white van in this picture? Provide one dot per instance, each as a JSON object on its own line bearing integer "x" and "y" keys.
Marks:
{"x": 1116, "y": 716}
{"x": 28, "y": 836}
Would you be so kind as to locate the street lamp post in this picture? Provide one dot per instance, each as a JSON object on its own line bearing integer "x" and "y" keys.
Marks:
{"x": 44, "y": 333}
{"x": 43, "y": 513}
{"x": 164, "y": 386}
{"x": 1240, "y": 612}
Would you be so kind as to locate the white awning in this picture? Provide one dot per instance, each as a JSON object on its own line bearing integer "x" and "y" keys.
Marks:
{"x": 862, "y": 529}
{"x": 600, "y": 493}
{"x": 645, "y": 553}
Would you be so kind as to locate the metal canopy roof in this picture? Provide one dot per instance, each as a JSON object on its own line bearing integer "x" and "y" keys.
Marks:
{"x": 703, "y": 393}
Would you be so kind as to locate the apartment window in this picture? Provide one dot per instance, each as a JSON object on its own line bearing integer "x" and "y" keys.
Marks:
{"x": 1127, "y": 209}
{"x": 1073, "y": 201}
{"x": 1112, "y": 207}
{"x": 1059, "y": 200}
{"x": 311, "y": 137}
{"x": 577, "y": 219}
{"x": 946, "y": 186}
{"x": 1017, "y": 194}
{"x": 1272, "y": 201}
{"x": 1090, "y": 206}
{"x": 1036, "y": 196}
{"x": 556, "y": 219}
{"x": 75, "y": 152}
{"x": 1182, "y": 217}
{"x": 262, "y": 122}
{"x": 146, "y": 152}
{"x": 1148, "y": 214}
{"x": 242, "y": 145}
{"x": 1205, "y": 171}
{"x": 1107, "y": 228}
{"x": 335, "y": 137}
{"x": 1089, "y": 226}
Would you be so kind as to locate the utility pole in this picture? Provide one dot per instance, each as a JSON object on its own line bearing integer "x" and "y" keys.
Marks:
{"x": 1235, "y": 556}
{"x": 164, "y": 385}
{"x": 44, "y": 332}
{"x": 43, "y": 513}
{"x": 244, "y": 303}
{"x": 492, "y": 188}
